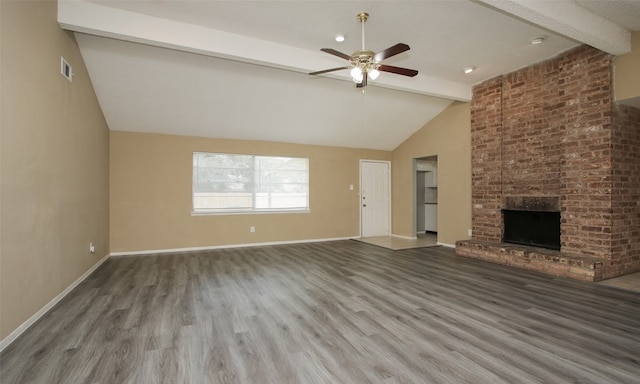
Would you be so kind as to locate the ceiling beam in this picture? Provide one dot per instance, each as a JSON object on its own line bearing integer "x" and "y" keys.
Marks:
{"x": 569, "y": 19}
{"x": 100, "y": 20}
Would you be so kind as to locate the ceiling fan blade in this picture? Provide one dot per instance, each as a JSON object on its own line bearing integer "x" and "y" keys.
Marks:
{"x": 398, "y": 70}
{"x": 391, "y": 51}
{"x": 363, "y": 83}
{"x": 328, "y": 70}
{"x": 336, "y": 53}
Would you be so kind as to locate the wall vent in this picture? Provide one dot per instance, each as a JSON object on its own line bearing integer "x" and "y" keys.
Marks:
{"x": 65, "y": 69}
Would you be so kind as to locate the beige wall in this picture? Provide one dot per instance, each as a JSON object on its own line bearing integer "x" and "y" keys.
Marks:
{"x": 151, "y": 194}
{"x": 447, "y": 136}
{"x": 626, "y": 82}
{"x": 54, "y": 164}
{"x": 58, "y": 189}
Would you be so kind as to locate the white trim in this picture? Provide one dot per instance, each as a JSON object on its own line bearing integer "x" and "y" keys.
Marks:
{"x": 446, "y": 245}
{"x": 191, "y": 249}
{"x": 252, "y": 212}
{"x": 36, "y": 316}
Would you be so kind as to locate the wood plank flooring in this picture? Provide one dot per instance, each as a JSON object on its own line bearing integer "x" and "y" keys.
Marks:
{"x": 334, "y": 312}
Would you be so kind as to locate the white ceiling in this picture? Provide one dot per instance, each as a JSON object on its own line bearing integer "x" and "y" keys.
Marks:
{"x": 238, "y": 69}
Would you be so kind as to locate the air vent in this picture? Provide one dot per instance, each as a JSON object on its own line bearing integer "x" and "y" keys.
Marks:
{"x": 66, "y": 69}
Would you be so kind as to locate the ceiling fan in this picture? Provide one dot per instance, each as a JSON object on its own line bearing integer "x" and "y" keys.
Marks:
{"x": 365, "y": 64}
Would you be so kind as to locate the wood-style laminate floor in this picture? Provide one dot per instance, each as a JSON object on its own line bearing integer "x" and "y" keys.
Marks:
{"x": 334, "y": 312}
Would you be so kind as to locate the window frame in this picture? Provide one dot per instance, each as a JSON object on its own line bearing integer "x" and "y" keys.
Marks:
{"x": 254, "y": 192}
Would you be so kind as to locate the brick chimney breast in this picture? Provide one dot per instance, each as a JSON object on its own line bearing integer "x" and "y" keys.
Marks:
{"x": 549, "y": 138}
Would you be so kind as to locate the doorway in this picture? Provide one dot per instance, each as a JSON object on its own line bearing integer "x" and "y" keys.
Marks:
{"x": 426, "y": 196}
{"x": 375, "y": 198}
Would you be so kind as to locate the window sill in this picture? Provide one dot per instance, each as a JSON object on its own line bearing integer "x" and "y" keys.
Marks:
{"x": 247, "y": 212}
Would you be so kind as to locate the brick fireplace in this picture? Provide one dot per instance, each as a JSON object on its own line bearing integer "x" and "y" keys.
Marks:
{"x": 552, "y": 133}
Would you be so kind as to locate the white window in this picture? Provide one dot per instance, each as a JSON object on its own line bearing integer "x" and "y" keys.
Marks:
{"x": 225, "y": 182}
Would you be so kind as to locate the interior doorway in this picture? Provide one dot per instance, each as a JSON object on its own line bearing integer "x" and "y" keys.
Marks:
{"x": 426, "y": 196}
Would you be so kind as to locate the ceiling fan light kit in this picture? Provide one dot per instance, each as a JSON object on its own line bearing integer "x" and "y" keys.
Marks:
{"x": 365, "y": 64}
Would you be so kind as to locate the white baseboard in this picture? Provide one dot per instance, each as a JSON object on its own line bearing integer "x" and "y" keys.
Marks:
{"x": 30, "y": 321}
{"x": 447, "y": 245}
{"x": 191, "y": 249}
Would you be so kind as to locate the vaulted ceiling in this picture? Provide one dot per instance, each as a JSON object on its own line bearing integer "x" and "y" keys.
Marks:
{"x": 238, "y": 69}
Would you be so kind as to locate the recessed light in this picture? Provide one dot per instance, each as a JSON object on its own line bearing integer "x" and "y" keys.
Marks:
{"x": 537, "y": 40}
{"x": 339, "y": 38}
{"x": 469, "y": 69}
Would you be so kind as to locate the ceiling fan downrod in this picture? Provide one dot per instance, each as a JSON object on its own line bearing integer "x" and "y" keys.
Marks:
{"x": 362, "y": 61}
{"x": 362, "y": 18}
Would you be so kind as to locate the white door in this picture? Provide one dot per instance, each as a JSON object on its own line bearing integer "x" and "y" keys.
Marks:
{"x": 375, "y": 202}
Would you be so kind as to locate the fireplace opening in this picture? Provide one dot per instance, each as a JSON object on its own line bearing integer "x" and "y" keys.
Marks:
{"x": 537, "y": 229}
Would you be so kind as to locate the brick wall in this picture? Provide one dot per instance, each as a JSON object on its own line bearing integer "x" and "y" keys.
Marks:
{"x": 531, "y": 132}
{"x": 486, "y": 182}
{"x": 586, "y": 92}
{"x": 552, "y": 129}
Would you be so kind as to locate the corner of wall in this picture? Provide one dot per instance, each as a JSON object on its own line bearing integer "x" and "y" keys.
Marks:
{"x": 626, "y": 83}
{"x": 55, "y": 164}
{"x": 448, "y": 136}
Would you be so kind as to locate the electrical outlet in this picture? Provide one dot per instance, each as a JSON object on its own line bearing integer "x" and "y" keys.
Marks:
{"x": 469, "y": 232}
{"x": 252, "y": 229}
{"x": 92, "y": 248}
